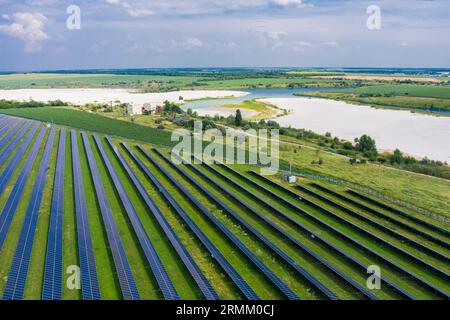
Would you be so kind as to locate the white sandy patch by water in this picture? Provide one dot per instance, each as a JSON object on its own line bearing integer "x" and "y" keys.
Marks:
{"x": 416, "y": 134}
{"x": 84, "y": 96}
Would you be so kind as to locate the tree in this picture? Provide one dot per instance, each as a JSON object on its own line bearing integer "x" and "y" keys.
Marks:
{"x": 238, "y": 118}
{"x": 367, "y": 146}
{"x": 397, "y": 157}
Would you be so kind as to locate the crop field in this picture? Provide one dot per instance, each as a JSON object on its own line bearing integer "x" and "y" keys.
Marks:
{"x": 119, "y": 216}
{"x": 21, "y": 81}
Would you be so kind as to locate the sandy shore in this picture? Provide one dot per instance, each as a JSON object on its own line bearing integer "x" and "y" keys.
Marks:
{"x": 84, "y": 96}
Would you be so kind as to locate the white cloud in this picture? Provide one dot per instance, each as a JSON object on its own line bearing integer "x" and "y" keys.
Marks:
{"x": 28, "y": 27}
{"x": 188, "y": 43}
{"x": 285, "y": 3}
{"x": 131, "y": 10}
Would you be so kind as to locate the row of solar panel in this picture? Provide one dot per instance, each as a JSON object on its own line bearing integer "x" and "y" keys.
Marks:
{"x": 284, "y": 289}
{"x": 334, "y": 229}
{"x": 393, "y": 219}
{"x": 379, "y": 225}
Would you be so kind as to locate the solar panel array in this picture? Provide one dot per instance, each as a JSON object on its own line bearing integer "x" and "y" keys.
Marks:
{"x": 391, "y": 262}
{"x": 372, "y": 222}
{"x": 15, "y": 284}
{"x": 182, "y": 252}
{"x": 269, "y": 274}
{"x": 223, "y": 262}
{"x": 362, "y": 206}
{"x": 11, "y": 204}
{"x": 123, "y": 269}
{"x": 89, "y": 279}
{"x": 52, "y": 285}
{"x": 323, "y": 240}
{"x": 6, "y": 153}
{"x": 162, "y": 278}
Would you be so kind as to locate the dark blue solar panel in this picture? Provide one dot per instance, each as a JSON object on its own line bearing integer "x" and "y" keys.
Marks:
{"x": 123, "y": 269}
{"x": 53, "y": 273}
{"x": 272, "y": 277}
{"x": 15, "y": 285}
{"x": 182, "y": 252}
{"x": 11, "y": 204}
{"x": 159, "y": 272}
{"x": 89, "y": 278}
{"x": 380, "y": 214}
{"x": 413, "y": 275}
{"x": 4, "y": 155}
{"x": 366, "y": 220}
{"x": 316, "y": 236}
{"x": 223, "y": 262}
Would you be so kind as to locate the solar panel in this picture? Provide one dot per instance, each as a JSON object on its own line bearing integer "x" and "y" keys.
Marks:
{"x": 89, "y": 279}
{"x": 182, "y": 252}
{"x": 52, "y": 285}
{"x": 380, "y": 214}
{"x": 123, "y": 269}
{"x": 6, "y": 153}
{"x": 375, "y": 223}
{"x": 158, "y": 269}
{"x": 226, "y": 266}
{"x": 317, "y": 236}
{"x": 269, "y": 274}
{"x": 413, "y": 275}
{"x": 15, "y": 284}
{"x": 434, "y": 227}
{"x": 11, "y": 204}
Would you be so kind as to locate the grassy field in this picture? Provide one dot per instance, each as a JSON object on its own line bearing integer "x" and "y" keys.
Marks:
{"x": 154, "y": 83}
{"x": 264, "y": 110}
{"x": 93, "y": 122}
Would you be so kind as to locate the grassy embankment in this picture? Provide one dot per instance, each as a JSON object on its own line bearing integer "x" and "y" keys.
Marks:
{"x": 425, "y": 99}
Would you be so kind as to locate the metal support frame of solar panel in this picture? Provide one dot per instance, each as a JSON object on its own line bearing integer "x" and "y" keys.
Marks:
{"x": 11, "y": 204}
{"x": 89, "y": 279}
{"x": 291, "y": 262}
{"x": 17, "y": 276}
{"x": 215, "y": 253}
{"x": 269, "y": 274}
{"x": 309, "y": 231}
{"x": 362, "y": 206}
{"x": 52, "y": 283}
{"x": 400, "y": 212}
{"x": 181, "y": 250}
{"x": 415, "y": 243}
{"x": 18, "y": 155}
{"x": 8, "y": 150}
{"x": 389, "y": 261}
{"x": 125, "y": 276}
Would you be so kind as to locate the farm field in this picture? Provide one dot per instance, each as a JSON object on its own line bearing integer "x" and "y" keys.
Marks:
{"x": 192, "y": 231}
{"x": 155, "y": 83}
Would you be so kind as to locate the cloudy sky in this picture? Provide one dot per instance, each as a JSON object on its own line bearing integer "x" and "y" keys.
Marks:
{"x": 34, "y": 34}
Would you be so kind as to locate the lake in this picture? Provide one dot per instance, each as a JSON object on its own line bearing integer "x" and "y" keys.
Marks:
{"x": 417, "y": 134}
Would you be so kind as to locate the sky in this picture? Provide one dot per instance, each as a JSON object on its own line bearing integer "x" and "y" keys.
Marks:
{"x": 51, "y": 35}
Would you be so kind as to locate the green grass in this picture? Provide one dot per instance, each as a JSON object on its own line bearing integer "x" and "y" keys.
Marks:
{"x": 442, "y": 92}
{"x": 93, "y": 122}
